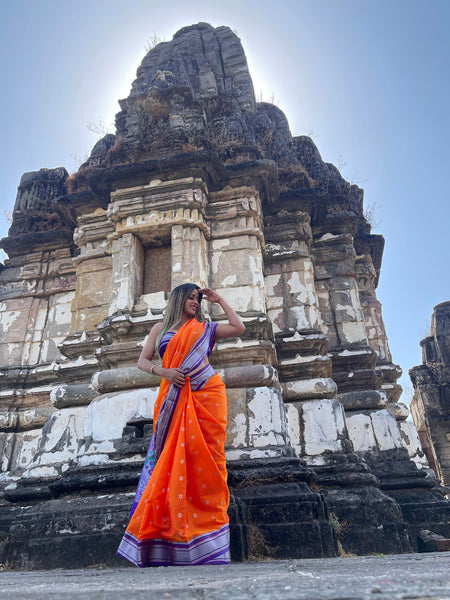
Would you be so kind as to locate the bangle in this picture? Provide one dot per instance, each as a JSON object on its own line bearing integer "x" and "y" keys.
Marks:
{"x": 151, "y": 369}
{"x": 228, "y": 310}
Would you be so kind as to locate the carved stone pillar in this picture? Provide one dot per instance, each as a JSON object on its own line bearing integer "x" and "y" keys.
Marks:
{"x": 236, "y": 247}
{"x": 127, "y": 269}
{"x": 189, "y": 255}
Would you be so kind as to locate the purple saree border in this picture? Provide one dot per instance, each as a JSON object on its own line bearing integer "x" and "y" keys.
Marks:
{"x": 208, "y": 548}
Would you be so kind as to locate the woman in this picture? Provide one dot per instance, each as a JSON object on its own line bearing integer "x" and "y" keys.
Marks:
{"x": 179, "y": 515}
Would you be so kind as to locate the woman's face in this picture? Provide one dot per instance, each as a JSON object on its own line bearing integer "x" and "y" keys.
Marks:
{"x": 191, "y": 304}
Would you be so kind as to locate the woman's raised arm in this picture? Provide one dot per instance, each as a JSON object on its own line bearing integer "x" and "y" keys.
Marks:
{"x": 235, "y": 326}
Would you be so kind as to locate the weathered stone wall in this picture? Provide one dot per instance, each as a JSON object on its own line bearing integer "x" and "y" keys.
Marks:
{"x": 200, "y": 183}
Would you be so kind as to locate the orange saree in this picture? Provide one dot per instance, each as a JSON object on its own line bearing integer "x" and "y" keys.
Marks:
{"x": 180, "y": 512}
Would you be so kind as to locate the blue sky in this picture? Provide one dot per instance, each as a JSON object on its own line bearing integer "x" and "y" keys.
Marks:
{"x": 367, "y": 79}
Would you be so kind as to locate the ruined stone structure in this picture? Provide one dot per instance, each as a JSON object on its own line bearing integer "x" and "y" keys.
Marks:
{"x": 430, "y": 406}
{"x": 201, "y": 183}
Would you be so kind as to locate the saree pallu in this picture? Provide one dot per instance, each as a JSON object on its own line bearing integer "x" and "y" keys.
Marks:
{"x": 179, "y": 516}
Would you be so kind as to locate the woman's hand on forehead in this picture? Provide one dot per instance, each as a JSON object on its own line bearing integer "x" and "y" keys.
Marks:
{"x": 209, "y": 294}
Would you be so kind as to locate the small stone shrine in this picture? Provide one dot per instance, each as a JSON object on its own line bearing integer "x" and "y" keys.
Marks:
{"x": 202, "y": 183}
{"x": 430, "y": 406}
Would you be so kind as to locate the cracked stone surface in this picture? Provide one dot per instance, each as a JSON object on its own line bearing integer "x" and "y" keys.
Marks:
{"x": 406, "y": 577}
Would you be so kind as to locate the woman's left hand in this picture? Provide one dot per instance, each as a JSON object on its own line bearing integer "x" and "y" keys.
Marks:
{"x": 235, "y": 326}
{"x": 210, "y": 295}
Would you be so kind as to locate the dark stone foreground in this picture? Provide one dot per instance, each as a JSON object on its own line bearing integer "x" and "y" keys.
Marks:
{"x": 406, "y": 577}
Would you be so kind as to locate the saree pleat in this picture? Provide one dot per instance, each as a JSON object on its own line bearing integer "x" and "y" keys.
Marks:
{"x": 179, "y": 516}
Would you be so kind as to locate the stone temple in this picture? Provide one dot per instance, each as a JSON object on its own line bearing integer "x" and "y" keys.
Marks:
{"x": 202, "y": 183}
{"x": 430, "y": 406}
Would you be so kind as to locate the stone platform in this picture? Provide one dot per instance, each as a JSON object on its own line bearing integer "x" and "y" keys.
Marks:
{"x": 407, "y": 576}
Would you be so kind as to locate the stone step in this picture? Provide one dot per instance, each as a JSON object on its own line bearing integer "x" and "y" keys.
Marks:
{"x": 304, "y": 367}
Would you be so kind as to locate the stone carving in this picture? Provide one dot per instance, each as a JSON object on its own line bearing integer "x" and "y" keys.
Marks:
{"x": 34, "y": 217}
{"x": 201, "y": 183}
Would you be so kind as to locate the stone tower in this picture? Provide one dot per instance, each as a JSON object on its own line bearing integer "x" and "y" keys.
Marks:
{"x": 430, "y": 406}
{"x": 201, "y": 183}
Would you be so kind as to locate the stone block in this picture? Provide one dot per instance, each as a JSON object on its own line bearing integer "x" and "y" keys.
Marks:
{"x": 20, "y": 302}
{"x": 8, "y": 421}
{"x": 272, "y": 268}
{"x": 6, "y": 451}
{"x": 236, "y": 268}
{"x": 65, "y": 396}
{"x": 93, "y": 289}
{"x": 31, "y": 353}
{"x": 305, "y": 367}
{"x": 86, "y": 319}
{"x": 59, "y": 316}
{"x": 34, "y": 418}
{"x": 123, "y": 378}
{"x": 274, "y": 302}
{"x": 44, "y": 473}
{"x": 276, "y": 315}
{"x": 11, "y": 354}
{"x": 13, "y": 325}
{"x": 363, "y": 400}
{"x": 399, "y": 410}
{"x": 60, "y": 437}
{"x": 351, "y": 332}
{"x": 156, "y": 301}
{"x": 249, "y": 453}
{"x": 386, "y": 430}
{"x": 331, "y": 270}
{"x": 250, "y": 376}
{"x": 309, "y": 389}
{"x": 18, "y": 449}
{"x": 107, "y": 415}
{"x": 348, "y": 314}
{"x": 266, "y": 418}
{"x": 411, "y": 442}
{"x": 273, "y": 283}
{"x": 301, "y": 285}
{"x": 429, "y": 541}
{"x": 324, "y": 426}
{"x": 304, "y": 317}
{"x": 27, "y": 444}
{"x": 301, "y": 342}
{"x": 237, "y": 426}
{"x": 76, "y": 370}
{"x": 360, "y": 432}
{"x": 249, "y": 298}
{"x": 88, "y": 266}
{"x": 49, "y": 349}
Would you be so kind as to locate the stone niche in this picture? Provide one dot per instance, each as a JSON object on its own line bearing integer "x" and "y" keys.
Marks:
{"x": 201, "y": 183}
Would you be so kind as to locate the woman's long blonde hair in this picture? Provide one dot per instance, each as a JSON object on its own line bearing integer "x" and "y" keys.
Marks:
{"x": 174, "y": 310}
